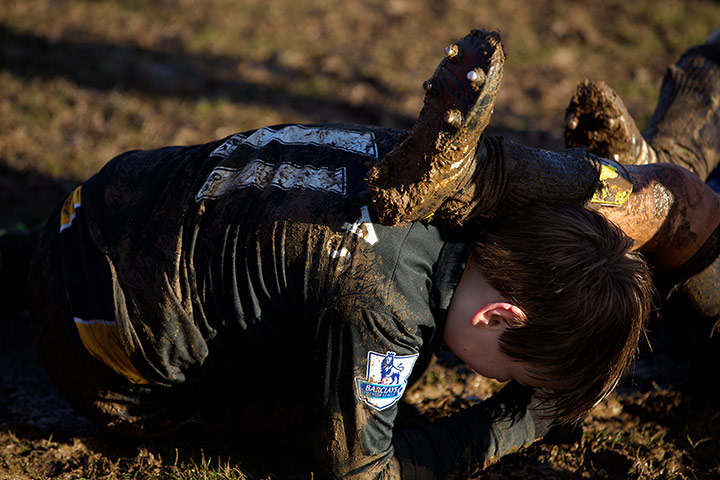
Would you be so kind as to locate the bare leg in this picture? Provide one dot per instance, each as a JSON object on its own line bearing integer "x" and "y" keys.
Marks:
{"x": 670, "y": 214}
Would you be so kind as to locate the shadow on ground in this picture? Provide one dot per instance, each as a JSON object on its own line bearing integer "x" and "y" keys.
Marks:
{"x": 176, "y": 72}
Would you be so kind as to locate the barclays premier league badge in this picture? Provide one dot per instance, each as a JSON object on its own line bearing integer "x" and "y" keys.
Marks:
{"x": 386, "y": 379}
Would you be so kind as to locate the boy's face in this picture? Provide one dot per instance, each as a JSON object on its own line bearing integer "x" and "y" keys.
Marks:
{"x": 479, "y": 347}
{"x": 477, "y": 318}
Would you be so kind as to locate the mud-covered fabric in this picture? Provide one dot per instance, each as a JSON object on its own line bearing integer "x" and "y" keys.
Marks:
{"x": 88, "y": 384}
{"x": 460, "y": 445}
{"x": 252, "y": 268}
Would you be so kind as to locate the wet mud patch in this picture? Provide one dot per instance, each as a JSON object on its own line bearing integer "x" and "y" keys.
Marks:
{"x": 655, "y": 435}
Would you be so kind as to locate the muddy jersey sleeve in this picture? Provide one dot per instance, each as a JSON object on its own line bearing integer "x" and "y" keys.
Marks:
{"x": 356, "y": 413}
{"x": 460, "y": 445}
{"x": 356, "y": 437}
{"x": 368, "y": 342}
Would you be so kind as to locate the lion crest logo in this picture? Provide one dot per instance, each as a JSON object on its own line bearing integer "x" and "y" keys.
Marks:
{"x": 386, "y": 379}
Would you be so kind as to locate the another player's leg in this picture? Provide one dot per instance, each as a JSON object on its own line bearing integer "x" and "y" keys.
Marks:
{"x": 684, "y": 129}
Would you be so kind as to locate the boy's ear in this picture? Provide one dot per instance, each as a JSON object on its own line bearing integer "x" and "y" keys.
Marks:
{"x": 497, "y": 315}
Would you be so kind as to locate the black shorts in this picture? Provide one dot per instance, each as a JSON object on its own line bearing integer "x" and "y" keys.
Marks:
{"x": 93, "y": 388}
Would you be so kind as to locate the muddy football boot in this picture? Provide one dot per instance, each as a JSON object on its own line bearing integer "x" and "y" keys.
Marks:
{"x": 446, "y": 168}
{"x": 598, "y": 119}
{"x": 436, "y": 157}
{"x": 684, "y": 129}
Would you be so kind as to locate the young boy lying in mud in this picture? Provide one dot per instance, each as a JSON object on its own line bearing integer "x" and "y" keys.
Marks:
{"x": 196, "y": 287}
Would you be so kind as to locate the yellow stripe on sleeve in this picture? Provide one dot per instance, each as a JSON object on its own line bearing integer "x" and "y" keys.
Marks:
{"x": 72, "y": 202}
{"x": 102, "y": 340}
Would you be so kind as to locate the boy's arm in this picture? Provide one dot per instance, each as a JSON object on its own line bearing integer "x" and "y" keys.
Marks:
{"x": 470, "y": 440}
{"x": 355, "y": 438}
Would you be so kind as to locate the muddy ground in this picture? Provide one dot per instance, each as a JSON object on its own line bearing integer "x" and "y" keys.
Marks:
{"x": 82, "y": 81}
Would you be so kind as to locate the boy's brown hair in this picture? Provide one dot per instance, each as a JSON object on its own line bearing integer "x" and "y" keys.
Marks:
{"x": 586, "y": 295}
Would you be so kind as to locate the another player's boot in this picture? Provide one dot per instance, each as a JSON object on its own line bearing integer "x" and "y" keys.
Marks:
{"x": 597, "y": 118}
{"x": 684, "y": 129}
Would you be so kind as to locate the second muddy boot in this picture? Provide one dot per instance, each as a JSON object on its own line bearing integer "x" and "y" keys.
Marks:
{"x": 685, "y": 127}
{"x": 597, "y": 118}
{"x": 436, "y": 158}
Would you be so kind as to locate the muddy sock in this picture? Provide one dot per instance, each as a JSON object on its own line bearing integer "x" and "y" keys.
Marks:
{"x": 536, "y": 175}
{"x": 483, "y": 191}
{"x": 597, "y": 118}
{"x": 436, "y": 158}
{"x": 572, "y": 176}
{"x": 508, "y": 175}
{"x": 685, "y": 127}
